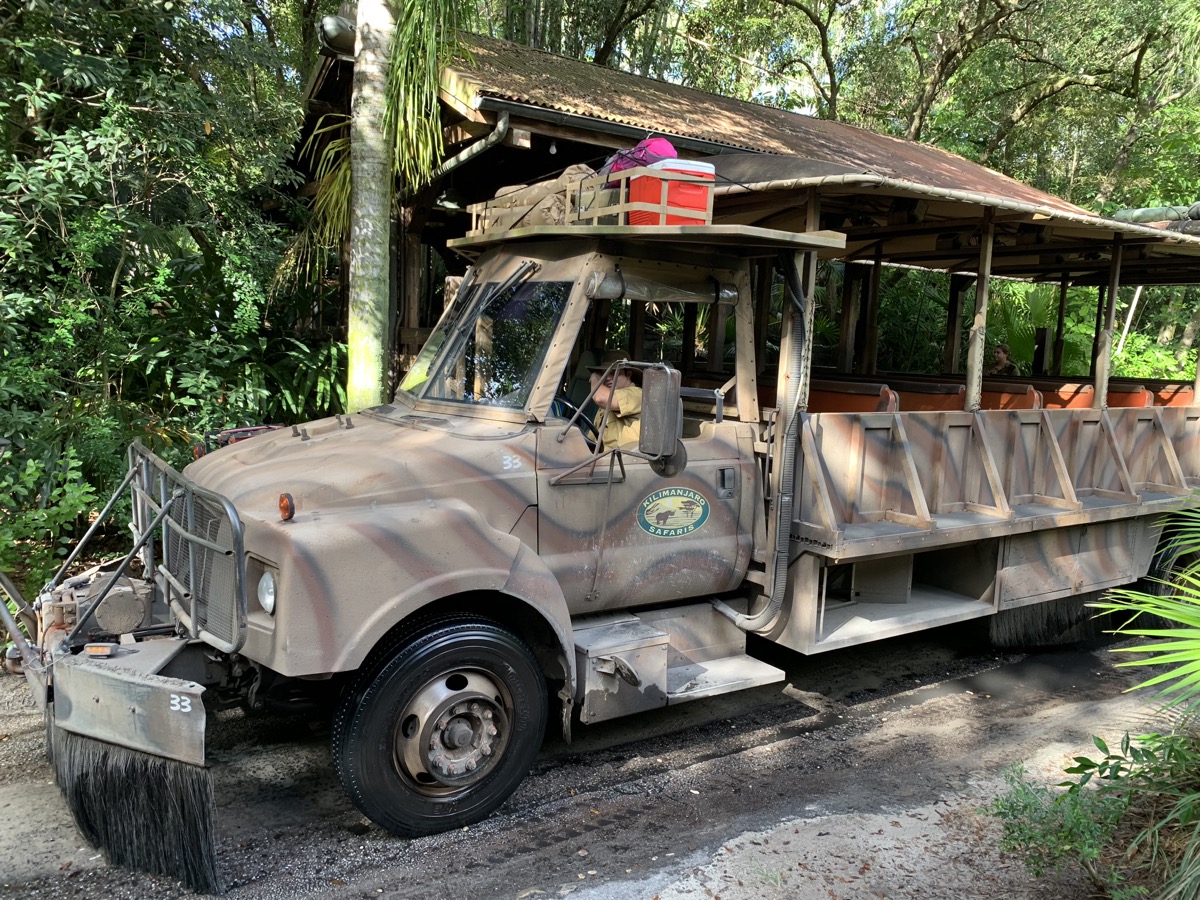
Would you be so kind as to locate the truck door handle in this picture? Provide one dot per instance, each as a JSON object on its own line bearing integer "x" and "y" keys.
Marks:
{"x": 726, "y": 483}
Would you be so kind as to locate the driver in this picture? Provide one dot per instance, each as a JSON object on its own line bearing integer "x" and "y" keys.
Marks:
{"x": 617, "y": 390}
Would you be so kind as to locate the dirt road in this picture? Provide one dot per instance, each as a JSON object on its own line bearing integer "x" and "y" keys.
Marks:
{"x": 860, "y": 777}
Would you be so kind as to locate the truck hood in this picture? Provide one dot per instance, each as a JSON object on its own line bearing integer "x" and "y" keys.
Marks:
{"x": 384, "y": 456}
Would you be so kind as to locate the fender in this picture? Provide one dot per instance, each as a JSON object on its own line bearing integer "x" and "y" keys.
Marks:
{"x": 348, "y": 577}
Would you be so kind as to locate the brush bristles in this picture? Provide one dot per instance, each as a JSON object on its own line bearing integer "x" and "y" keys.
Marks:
{"x": 1055, "y": 622}
{"x": 144, "y": 812}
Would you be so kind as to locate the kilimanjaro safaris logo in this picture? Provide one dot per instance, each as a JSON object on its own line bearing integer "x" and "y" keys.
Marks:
{"x": 672, "y": 512}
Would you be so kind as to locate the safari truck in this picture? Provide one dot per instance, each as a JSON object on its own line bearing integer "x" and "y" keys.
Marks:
{"x": 468, "y": 562}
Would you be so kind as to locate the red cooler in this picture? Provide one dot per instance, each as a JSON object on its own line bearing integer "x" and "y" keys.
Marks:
{"x": 680, "y": 195}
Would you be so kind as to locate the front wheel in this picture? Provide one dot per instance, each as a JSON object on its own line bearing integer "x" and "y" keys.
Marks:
{"x": 441, "y": 733}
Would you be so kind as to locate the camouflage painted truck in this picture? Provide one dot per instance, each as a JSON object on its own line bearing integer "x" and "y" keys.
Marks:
{"x": 465, "y": 564}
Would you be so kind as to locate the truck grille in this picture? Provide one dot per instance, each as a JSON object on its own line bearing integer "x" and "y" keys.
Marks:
{"x": 195, "y": 553}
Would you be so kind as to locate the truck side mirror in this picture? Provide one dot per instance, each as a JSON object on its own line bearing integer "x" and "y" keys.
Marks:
{"x": 662, "y": 420}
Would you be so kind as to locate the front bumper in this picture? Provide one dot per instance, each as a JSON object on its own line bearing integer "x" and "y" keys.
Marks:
{"x": 124, "y": 701}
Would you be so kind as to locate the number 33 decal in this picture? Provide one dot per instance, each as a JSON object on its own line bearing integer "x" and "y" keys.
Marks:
{"x": 180, "y": 703}
{"x": 511, "y": 462}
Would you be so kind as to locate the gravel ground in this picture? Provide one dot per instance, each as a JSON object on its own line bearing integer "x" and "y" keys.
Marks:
{"x": 862, "y": 776}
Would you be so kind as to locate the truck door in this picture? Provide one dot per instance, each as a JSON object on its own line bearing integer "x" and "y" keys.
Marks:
{"x": 617, "y": 534}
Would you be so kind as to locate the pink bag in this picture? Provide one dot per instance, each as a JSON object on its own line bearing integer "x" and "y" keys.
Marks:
{"x": 651, "y": 150}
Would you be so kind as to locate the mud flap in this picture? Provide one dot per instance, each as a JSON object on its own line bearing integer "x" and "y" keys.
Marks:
{"x": 127, "y": 746}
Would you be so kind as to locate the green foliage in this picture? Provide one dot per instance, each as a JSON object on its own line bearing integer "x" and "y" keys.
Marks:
{"x": 912, "y": 322}
{"x": 426, "y": 37}
{"x": 44, "y": 501}
{"x": 1134, "y": 813}
{"x": 140, "y": 144}
{"x": 1170, "y": 615}
{"x": 1019, "y": 310}
{"x": 1124, "y": 817}
{"x": 1054, "y": 829}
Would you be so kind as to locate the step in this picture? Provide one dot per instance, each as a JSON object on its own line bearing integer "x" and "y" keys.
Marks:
{"x": 718, "y": 676}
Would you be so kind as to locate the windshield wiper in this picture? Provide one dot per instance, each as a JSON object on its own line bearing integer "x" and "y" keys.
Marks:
{"x": 523, "y": 273}
{"x": 453, "y": 342}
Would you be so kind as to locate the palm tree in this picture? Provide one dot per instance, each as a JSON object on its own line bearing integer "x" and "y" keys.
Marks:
{"x": 395, "y": 130}
{"x": 370, "y": 208}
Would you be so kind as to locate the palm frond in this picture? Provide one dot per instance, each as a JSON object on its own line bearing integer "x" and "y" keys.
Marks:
{"x": 1155, "y": 613}
{"x": 426, "y": 38}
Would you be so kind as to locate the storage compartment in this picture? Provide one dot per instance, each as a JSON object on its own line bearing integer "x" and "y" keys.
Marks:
{"x": 677, "y": 195}
{"x": 622, "y": 665}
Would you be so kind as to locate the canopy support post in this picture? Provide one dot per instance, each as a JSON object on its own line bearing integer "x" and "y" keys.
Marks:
{"x": 1103, "y": 354}
{"x": 975, "y": 348}
{"x": 952, "y": 351}
{"x": 1061, "y": 326}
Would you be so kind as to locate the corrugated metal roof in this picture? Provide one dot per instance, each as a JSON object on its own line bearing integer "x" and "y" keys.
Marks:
{"x": 507, "y": 71}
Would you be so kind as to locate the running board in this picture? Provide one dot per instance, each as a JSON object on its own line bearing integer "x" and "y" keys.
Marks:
{"x": 718, "y": 676}
{"x": 630, "y": 663}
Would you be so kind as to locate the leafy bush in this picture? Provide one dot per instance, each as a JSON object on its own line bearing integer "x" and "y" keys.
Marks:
{"x": 1133, "y": 815}
{"x": 1051, "y": 830}
{"x": 1122, "y": 818}
{"x": 43, "y": 502}
{"x": 142, "y": 219}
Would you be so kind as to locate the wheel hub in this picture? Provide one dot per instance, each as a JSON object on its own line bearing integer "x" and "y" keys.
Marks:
{"x": 453, "y": 731}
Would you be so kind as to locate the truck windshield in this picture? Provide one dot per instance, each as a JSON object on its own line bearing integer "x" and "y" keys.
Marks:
{"x": 489, "y": 351}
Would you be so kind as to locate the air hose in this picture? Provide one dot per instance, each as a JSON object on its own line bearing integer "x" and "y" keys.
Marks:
{"x": 764, "y": 619}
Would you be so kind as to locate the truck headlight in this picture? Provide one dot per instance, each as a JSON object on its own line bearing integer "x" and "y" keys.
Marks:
{"x": 266, "y": 592}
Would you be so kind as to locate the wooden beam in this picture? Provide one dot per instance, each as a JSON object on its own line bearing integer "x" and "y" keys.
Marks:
{"x": 519, "y": 138}
{"x": 1001, "y": 251}
{"x": 762, "y": 310}
{"x": 461, "y": 132}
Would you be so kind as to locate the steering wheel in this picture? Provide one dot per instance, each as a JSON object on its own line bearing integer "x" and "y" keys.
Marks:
{"x": 563, "y": 408}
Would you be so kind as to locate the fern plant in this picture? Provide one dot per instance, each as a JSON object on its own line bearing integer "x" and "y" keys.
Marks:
{"x": 1168, "y": 614}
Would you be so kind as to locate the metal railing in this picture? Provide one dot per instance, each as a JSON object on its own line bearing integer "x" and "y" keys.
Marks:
{"x": 194, "y": 553}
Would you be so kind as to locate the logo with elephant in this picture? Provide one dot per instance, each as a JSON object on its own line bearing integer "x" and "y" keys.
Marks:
{"x": 672, "y": 512}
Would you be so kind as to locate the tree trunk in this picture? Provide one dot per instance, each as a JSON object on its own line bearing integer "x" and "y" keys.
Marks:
{"x": 370, "y": 221}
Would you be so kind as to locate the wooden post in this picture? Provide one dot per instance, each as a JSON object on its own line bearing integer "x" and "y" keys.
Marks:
{"x": 637, "y": 327}
{"x": 851, "y": 294}
{"x": 718, "y": 314}
{"x": 869, "y": 362}
{"x": 687, "y": 353}
{"x": 1101, "y": 296}
{"x": 762, "y": 310}
{"x": 976, "y": 346}
{"x": 1060, "y": 328}
{"x": 1102, "y": 361}
{"x": 952, "y": 351}
{"x": 1196, "y": 382}
{"x": 412, "y": 268}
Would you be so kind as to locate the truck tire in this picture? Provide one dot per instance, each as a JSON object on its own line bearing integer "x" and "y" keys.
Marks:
{"x": 439, "y": 733}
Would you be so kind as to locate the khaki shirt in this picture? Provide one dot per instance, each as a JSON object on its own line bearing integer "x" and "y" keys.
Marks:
{"x": 625, "y": 427}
